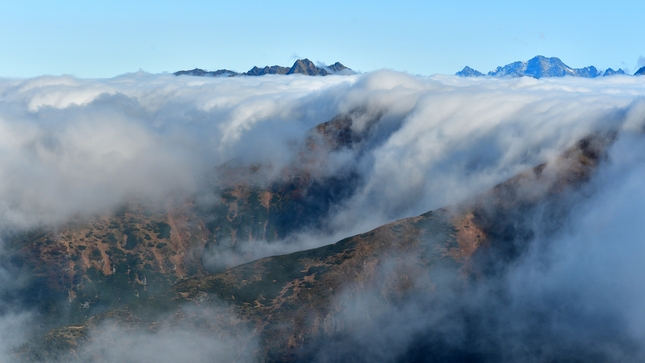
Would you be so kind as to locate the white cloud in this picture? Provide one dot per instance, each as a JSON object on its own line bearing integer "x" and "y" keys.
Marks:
{"x": 83, "y": 146}
{"x": 71, "y": 146}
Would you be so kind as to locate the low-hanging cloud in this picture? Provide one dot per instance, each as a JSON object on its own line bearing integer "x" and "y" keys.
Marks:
{"x": 573, "y": 295}
{"x": 72, "y": 147}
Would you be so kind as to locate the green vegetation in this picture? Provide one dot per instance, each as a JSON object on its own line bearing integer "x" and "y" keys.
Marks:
{"x": 131, "y": 242}
{"x": 163, "y": 230}
{"x": 96, "y": 255}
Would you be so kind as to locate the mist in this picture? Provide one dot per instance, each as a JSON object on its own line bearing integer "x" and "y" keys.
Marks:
{"x": 73, "y": 149}
{"x": 76, "y": 147}
{"x": 573, "y": 294}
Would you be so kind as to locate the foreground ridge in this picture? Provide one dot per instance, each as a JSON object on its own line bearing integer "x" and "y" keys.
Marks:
{"x": 292, "y": 308}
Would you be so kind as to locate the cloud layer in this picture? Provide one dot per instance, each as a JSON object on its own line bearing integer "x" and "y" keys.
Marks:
{"x": 74, "y": 147}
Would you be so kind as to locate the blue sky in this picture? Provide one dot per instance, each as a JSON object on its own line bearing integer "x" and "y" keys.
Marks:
{"x": 108, "y": 38}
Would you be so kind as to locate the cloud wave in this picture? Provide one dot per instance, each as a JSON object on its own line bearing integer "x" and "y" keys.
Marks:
{"x": 75, "y": 147}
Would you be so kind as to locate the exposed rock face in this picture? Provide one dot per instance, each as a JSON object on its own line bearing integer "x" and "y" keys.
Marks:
{"x": 640, "y": 72}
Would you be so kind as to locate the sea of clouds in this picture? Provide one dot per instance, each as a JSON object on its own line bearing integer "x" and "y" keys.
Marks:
{"x": 77, "y": 146}
{"x": 80, "y": 147}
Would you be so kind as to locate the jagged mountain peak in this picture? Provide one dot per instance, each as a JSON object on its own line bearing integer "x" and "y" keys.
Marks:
{"x": 469, "y": 72}
{"x": 257, "y": 71}
{"x": 515, "y": 69}
{"x": 300, "y": 66}
{"x": 611, "y": 72}
{"x": 640, "y": 72}
{"x": 339, "y": 68}
{"x": 538, "y": 67}
{"x": 307, "y": 67}
{"x": 541, "y": 66}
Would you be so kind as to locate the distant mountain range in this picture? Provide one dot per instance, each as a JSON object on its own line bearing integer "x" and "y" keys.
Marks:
{"x": 540, "y": 66}
{"x": 301, "y": 66}
{"x": 640, "y": 72}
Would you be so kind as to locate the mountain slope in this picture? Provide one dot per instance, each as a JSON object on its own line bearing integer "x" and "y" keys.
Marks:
{"x": 86, "y": 267}
{"x": 297, "y": 306}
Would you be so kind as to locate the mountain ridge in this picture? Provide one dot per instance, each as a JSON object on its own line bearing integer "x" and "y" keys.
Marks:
{"x": 300, "y": 66}
{"x": 289, "y": 302}
{"x": 539, "y": 67}
{"x": 133, "y": 253}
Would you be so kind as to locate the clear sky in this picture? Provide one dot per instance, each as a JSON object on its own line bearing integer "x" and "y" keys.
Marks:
{"x": 108, "y": 38}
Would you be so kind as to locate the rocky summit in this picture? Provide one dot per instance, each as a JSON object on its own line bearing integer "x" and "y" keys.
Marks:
{"x": 539, "y": 67}
{"x": 301, "y": 66}
{"x": 469, "y": 72}
{"x": 611, "y": 72}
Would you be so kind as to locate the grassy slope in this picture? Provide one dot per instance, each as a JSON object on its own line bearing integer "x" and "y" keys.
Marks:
{"x": 291, "y": 300}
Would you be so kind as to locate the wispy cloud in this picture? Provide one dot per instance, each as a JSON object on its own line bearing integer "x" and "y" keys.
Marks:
{"x": 74, "y": 147}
